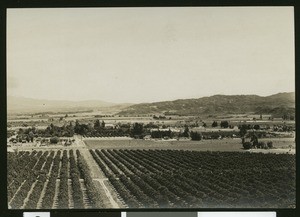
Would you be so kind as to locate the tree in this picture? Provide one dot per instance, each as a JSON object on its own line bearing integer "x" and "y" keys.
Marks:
{"x": 54, "y": 140}
{"x": 161, "y": 134}
{"x": 224, "y": 124}
{"x": 81, "y": 129}
{"x": 51, "y": 126}
{"x": 262, "y": 145}
{"x": 270, "y": 144}
{"x": 103, "y": 124}
{"x": 243, "y": 130}
{"x": 247, "y": 145}
{"x": 254, "y": 140}
{"x": 97, "y": 124}
{"x": 195, "y": 136}
{"x": 204, "y": 125}
{"x": 186, "y": 132}
{"x": 214, "y": 124}
{"x": 137, "y": 130}
{"x": 151, "y": 125}
{"x": 31, "y": 136}
{"x": 256, "y": 127}
{"x": 77, "y": 127}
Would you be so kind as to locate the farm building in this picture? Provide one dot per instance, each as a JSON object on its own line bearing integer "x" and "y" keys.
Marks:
{"x": 109, "y": 126}
{"x": 172, "y": 129}
{"x": 147, "y": 137}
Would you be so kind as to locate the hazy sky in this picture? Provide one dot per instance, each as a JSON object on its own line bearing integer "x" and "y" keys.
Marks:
{"x": 236, "y": 214}
{"x": 149, "y": 54}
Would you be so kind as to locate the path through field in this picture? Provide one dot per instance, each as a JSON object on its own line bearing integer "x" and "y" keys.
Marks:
{"x": 108, "y": 194}
{"x": 94, "y": 169}
{"x": 98, "y": 177}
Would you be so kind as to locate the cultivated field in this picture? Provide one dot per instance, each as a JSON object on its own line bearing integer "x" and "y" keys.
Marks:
{"x": 203, "y": 145}
{"x": 151, "y": 174}
{"x": 50, "y": 179}
{"x": 185, "y": 179}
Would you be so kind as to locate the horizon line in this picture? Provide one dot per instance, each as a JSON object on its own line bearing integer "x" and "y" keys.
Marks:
{"x": 167, "y": 100}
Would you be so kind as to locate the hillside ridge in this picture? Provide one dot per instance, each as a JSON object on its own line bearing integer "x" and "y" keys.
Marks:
{"x": 276, "y": 104}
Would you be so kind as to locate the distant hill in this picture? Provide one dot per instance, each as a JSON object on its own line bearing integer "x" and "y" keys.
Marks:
{"x": 277, "y": 105}
{"x": 28, "y": 105}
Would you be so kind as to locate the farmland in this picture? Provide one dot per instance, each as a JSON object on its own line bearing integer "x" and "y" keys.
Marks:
{"x": 91, "y": 160}
{"x": 179, "y": 108}
{"x": 203, "y": 145}
{"x": 150, "y": 174}
{"x": 173, "y": 178}
{"x": 151, "y": 178}
{"x": 50, "y": 179}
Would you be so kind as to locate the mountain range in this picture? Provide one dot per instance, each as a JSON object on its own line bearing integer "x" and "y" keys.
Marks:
{"x": 276, "y": 105}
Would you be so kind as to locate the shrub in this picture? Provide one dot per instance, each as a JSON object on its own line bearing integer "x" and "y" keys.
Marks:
{"x": 224, "y": 124}
{"x": 256, "y": 127}
{"x": 214, "y": 124}
{"x": 54, "y": 140}
{"x": 247, "y": 145}
{"x": 195, "y": 136}
{"x": 270, "y": 144}
{"x": 262, "y": 145}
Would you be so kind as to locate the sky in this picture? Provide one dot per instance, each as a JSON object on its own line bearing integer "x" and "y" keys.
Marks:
{"x": 133, "y": 55}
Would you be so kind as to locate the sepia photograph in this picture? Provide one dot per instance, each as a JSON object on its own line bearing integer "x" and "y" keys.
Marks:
{"x": 151, "y": 107}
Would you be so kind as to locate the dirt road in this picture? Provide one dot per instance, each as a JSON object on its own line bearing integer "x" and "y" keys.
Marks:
{"x": 98, "y": 177}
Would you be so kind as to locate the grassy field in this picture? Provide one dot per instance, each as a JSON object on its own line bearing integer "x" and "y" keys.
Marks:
{"x": 203, "y": 145}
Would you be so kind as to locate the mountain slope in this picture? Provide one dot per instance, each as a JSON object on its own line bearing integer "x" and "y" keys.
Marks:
{"x": 219, "y": 104}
